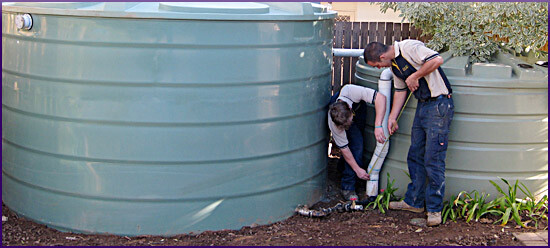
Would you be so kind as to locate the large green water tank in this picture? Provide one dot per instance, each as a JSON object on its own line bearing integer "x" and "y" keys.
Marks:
{"x": 499, "y": 129}
{"x": 163, "y": 118}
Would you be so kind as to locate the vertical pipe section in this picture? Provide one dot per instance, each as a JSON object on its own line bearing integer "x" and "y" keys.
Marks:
{"x": 381, "y": 150}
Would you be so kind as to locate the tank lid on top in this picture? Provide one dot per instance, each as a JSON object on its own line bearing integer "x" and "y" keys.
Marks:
{"x": 505, "y": 71}
{"x": 179, "y": 10}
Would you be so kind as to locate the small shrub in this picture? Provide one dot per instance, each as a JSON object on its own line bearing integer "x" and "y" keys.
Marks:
{"x": 382, "y": 201}
{"x": 449, "y": 208}
{"x": 473, "y": 206}
{"x": 507, "y": 204}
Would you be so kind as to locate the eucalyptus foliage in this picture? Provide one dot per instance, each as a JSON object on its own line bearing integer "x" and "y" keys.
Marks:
{"x": 478, "y": 29}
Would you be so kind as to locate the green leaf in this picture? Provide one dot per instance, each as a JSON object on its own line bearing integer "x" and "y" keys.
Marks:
{"x": 464, "y": 208}
{"x": 495, "y": 212}
{"x": 445, "y": 215}
{"x": 497, "y": 187}
{"x": 506, "y": 216}
{"x": 516, "y": 216}
{"x": 526, "y": 191}
{"x": 471, "y": 212}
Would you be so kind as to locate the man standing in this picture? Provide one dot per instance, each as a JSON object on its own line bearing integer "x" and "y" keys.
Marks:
{"x": 347, "y": 117}
{"x": 417, "y": 68}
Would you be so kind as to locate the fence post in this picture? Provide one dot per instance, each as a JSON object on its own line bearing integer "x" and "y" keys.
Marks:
{"x": 397, "y": 32}
{"x": 347, "y": 60}
{"x": 337, "y": 61}
{"x": 356, "y": 34}
{"x": 380, "y": 32}
{"x": 406, "y": 31}
{"x": 389, "y": 33}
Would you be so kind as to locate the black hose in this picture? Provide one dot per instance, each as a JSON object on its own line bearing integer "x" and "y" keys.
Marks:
{"x": 340, "y": 208}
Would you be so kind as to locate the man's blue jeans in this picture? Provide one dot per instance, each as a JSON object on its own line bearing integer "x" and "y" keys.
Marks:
{"x": 355, "y": 139}
{"x": 426, "y": 159}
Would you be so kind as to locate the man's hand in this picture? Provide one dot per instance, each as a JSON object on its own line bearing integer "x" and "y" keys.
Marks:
{"x": 392, "y": 126}
{"x": 412, "y": 82}
{"x": 427, "y": 68}
{"x": 362, "y": 174}
{"x": 379, "y": 134}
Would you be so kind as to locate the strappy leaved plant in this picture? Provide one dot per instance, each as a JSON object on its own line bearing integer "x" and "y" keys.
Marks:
{"x": 382, "y": 201}
{"x": 507, "y": 205}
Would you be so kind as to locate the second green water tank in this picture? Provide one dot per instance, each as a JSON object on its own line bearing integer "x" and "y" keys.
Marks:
{"x": 500, "y": 127}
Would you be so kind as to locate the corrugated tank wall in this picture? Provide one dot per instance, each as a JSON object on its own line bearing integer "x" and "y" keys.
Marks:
{"x": 500, "y": 127}
{"x": 148, "y": 118}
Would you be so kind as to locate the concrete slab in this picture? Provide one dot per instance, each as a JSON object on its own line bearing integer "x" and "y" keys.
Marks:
{"x": 533, "y": 239}
{"x": 543, "y": 235}
{"x": 527, "y": 236}
{"x": 535, "y": 243}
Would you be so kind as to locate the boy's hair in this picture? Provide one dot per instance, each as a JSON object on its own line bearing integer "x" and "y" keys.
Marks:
{"x": 340, "y": 114}
{"x": 373, "y": 51}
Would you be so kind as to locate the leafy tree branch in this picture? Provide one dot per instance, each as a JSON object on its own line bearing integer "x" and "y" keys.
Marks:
{"x": 478, "y": 29}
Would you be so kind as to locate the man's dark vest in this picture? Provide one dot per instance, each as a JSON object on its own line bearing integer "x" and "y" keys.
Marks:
{"x": 403, "y": 69}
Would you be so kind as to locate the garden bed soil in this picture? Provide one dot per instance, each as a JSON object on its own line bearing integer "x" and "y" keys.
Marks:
{"x": 349, "y": 228}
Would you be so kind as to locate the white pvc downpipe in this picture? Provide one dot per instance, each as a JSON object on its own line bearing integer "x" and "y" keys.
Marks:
{"x": 381, "y": 150}
{"x": 344, "y": 52}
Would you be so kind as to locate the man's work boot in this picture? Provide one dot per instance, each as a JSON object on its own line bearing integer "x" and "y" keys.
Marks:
{"x": 402, "y": 205}
{"x": 349, "y": 195}
{"x": 434, "y": 218}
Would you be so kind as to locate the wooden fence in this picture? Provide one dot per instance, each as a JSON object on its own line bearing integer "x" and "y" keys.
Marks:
{"x": 357, "y": 35}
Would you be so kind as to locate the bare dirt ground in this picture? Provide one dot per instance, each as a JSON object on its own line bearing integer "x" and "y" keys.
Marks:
{"x": 367, "y": 228}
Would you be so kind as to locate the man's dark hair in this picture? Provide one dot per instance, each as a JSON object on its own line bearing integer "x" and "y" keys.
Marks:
{"x": 373, "y": 51}
{"x": 340, "y": 113}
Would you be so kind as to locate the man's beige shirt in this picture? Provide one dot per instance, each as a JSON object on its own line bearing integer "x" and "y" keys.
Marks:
{"x": 349, "y": 94}
{"x": 416, "y": 53}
